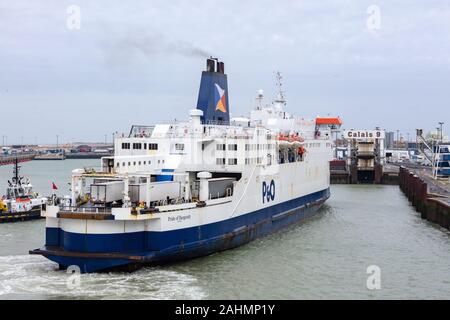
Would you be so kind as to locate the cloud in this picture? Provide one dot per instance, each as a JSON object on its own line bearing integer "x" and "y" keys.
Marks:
{"x": 331, "y": 63}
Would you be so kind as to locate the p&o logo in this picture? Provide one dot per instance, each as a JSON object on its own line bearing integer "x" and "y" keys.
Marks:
{"x": 268, "y": 191}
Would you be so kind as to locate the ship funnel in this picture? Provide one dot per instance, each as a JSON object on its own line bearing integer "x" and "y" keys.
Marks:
{"x": 213, "y": 94}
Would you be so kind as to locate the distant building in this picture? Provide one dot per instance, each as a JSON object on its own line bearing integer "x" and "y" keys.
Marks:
{"x": 389, "y": 139}
{"x": 84, "y": 148}
{"x": 436, "y": 135}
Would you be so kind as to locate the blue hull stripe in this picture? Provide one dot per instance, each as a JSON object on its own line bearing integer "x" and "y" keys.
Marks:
{"x": 158, "y": 247}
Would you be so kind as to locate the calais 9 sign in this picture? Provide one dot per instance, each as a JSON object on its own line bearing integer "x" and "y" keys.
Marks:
{"x": 364, "y": 134}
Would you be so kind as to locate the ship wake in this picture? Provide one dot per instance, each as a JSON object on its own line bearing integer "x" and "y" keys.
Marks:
{"x": 34, "y": 277}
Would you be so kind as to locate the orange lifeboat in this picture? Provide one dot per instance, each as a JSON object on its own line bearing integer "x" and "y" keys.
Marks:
{"x": 290, "y": 138}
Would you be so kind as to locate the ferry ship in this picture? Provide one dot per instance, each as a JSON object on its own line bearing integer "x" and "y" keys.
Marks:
{"x": 188, "y": 189}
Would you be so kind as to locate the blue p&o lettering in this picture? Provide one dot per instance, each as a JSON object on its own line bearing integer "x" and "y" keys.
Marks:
{"x": 268, "y": 191}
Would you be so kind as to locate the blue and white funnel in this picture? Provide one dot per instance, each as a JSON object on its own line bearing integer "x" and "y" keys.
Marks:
{"x": 213, "y": 94}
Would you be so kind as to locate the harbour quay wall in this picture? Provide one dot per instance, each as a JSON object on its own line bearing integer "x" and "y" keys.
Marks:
{"x": 432, "y": 207}
{"x": 10, "y": 159}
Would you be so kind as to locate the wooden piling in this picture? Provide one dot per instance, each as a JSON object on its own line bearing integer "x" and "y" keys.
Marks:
{"x": 431, "y": 208}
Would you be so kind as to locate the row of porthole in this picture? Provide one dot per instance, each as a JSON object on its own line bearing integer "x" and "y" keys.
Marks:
{"x": 138, "y": 163}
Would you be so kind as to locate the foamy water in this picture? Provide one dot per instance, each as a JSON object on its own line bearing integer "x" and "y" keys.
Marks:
{"x": 37, "y": 278}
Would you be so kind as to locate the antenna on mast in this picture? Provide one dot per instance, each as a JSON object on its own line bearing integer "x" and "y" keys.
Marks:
{"x": 280, "y": 100}
{"x": 16, "y": 178}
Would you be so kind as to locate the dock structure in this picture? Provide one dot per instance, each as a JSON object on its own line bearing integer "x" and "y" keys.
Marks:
{"x": 342, "y": 173}
{"x": 362, "y": 160}
{"x": 10, "y": 159}
{"x": 430, "y": 197}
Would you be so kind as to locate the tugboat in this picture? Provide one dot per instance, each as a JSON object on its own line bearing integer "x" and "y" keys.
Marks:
{"x": 20, "y": 202}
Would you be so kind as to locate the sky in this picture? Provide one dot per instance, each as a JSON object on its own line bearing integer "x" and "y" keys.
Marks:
{"x": 85, "y": 72}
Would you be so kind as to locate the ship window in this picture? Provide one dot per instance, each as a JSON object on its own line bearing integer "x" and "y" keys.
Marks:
{"x": 125, "y": 145}
{"x": 145, "y": 162}
{"x": 153, "y": 146}
{"x": 145, "y": 146}
{"x": 123, "y": 164}
{"x": 232, "y": 161}
{"x": 118, "y": 164}
{"x": 179, "y": 146}
{"x": 220, "y": 161}
{"x": 220, "y": 147}
{"x": 139, "y": 163}
{"x": 129, "y": 163}
{"x": 232, "y": 147}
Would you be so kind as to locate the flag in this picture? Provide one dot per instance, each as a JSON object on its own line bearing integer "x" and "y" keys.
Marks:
{"x": 54, "y": 187}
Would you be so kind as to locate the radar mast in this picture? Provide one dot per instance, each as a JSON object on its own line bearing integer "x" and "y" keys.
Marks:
{"x": 280, "y": 100}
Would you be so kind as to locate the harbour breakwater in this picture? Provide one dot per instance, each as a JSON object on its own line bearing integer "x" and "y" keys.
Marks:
{"x": 10, "y": 159}
{"x": 429, "y": 197}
